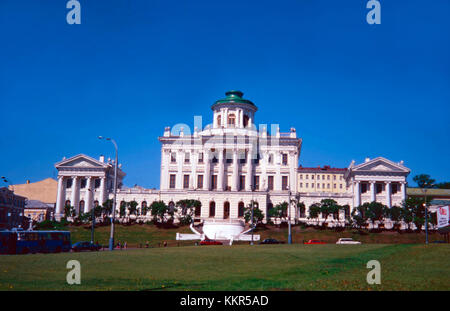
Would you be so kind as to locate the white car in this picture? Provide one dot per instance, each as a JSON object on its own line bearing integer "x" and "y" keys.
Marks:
{"x": 347, "y": 241}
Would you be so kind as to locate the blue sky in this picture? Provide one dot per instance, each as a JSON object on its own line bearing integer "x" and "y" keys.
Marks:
{"x": 352, "y": 90}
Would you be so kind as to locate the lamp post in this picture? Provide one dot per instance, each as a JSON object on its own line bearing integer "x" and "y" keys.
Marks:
{"x": 424, "y": 189}
{"x": 289, "y": 218}
{"x": 92, "y": 216}
{"x": 111, "y": 237}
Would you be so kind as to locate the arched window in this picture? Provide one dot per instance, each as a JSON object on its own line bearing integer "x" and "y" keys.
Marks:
{"x": 302, "y": 212}
{"x": 197, "y": 211}
{"x": 226, "y": 210}
{"x": 67, "y": 203}
{"x": 245, "y": 120}
{"x": 231, "y": 120}
{"x": 81, "y": 207}
{"x": 212, "y": 209}
{"x": 144, "y": 208}
{"x": 219, "y": 120}
{"x": 241, "y": 209}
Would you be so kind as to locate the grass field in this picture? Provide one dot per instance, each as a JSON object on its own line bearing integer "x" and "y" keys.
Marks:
{"x": 238, "y": 267}
{"x": 140, "y": 234}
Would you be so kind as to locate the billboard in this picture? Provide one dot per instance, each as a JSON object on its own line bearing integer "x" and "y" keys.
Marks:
{"x": 443, "y": 216}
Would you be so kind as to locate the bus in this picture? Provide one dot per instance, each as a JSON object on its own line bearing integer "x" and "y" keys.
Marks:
{"x": 25, "y": 242}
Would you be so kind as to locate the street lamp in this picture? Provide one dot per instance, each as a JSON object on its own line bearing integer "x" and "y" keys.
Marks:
{"x": 424, "y": 189}
{"x": 289, "y": 218}
{"x": 111, "y": 237}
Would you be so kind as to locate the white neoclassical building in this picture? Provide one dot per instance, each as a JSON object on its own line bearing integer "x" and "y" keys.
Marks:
{"x": 229, "y": 163}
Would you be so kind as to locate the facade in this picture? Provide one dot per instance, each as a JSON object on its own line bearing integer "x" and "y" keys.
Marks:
{"x": 228, "y": 164}
{"x": 84, "y": 182}
{"x": 38, "y": 211}
{"x": 11, "y": 209}
{"x": 44, "y": 190}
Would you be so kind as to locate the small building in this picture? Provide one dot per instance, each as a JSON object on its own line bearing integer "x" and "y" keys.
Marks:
{"x": 39, "y": 211}
{"x": 44, "y": 190}
{"x": 11, "y": 209}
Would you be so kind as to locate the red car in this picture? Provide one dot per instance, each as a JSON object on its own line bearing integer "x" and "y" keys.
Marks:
{"x": 210, "y": 242}
{"x": 314, "y": 242}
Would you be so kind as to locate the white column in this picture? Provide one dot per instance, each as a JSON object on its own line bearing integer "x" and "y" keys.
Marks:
{"x": 403, "y": 185}
{"x": 292, "y": 173}
{"x": 60, "y": 197}
{"x": 193, "y": 176}
{"x": 277, "y": 178}
{"x": 220, "y": 174}
{"x": 388, "y": 194}
{"x": 89, "y": 195}
{"x": 235, "y": 178}
{"x": 75, "y": 195}
{"x": 357, "y": 193}
{"x": 179, "y": 178}
{"x": 102, "y": 190}
{"x": 249, "y": 177}
{"x": 373, "y": 191}
{"x": 207, "y": 173}
{"x": 264, "y": 180}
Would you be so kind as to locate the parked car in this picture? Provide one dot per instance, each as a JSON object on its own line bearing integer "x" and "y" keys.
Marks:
{"x": 314, "y": 242}
{"x": 85, "y": 246}
{"x": 347, "y": 241}
{"x": 271, "y": 241}
{"x": 210, "y": 242}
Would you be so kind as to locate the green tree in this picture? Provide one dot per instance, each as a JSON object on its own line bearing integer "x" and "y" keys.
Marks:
{"x": 187, "y": 210}
{"x": 395, "y": 214}
{"x": 132, "y": 207}
{"x": 69, "y": 211}
{"x": 258, "y": 215}
{"x": 359, "y": 215}
{"x": 376, "y": 211}
{"x": 159, "y": 211}
{"x": 279, "y": 210}
{"x": 123, "y": 209}
{"x": 424, "y": 181}
{"x": 314, "y": 211}
{"x": 107, "y": 207}
{"x": 328, "y": 207}
{"x": 443, "y": 185}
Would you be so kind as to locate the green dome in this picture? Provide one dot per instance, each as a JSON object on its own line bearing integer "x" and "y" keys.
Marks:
{"x": 234, "y": 97}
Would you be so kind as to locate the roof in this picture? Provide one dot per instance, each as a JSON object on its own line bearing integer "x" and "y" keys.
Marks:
{"x": 234, "y": 97}
{"x": 324, "y": 169}
{"x": 37, "y": 204}
{"x": 434, "y": 192}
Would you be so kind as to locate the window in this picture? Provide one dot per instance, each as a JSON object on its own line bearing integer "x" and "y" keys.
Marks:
{"x": 284, "y": 182}
{"x": 69, "y": 183}
{"x": 185, "y": 181}
{"x": 199, "y": 181}
{"x": 307, "y": 176}
{"x": 306, "y": 185}
{"x": 226, "y": 210}
{"x": 219, "y": 120}
{"x": 270, "y": 158}
{"x": 270, "y": 182}
{"x": 318, "y": 177}
{"x": 97, "y": 183}
{"x": 212, "y": 209}
{"x": 173, "y": 157}
{"x": 256, "y": 182}
{"x": 312, "y": 176}
{"x": 285, "y": 159}
{"x": 231, "y": 120}
{"x": 187, "y": 156}
{"x": 334, "y": 186}
{"x": 318, "y": 186}
{"x": 334, "y": 177}
{"x": 214, "y": 182}
{"x": 241, "y": 209}
{"x": 83, "y": 183}
{"x": 328, "y": 186}
{"x": 340, "y": 186}
{"x": 241, "y": 182}
{"x": 245, "y": 119}
{"x": 172, "y": 181}
{"x": 200, "y": 157}
{"x": 394, "y": 188}
{"x": 364, "y": 188}
{"x": 328, "y": 177}
{"x": 379, "y": 188}
{"x": 301, "y": 185}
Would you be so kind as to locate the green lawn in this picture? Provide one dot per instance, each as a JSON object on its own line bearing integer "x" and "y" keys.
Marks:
{"x": 239, "y": 267}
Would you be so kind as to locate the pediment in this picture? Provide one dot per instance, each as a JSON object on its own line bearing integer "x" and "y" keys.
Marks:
{"x": 81, "y": 161}
{"x": 381, "y": 165}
